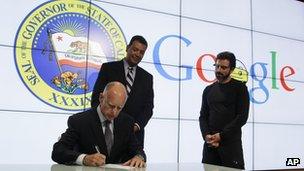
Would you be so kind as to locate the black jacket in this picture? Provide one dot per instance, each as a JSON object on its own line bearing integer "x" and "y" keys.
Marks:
{"x": 84, "y": 132}
{"x": 139, "y": 104}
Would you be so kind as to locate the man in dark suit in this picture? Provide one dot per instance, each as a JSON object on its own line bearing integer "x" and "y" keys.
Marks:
{"x": 101, "y": 135}
{"x": 139, "y": 84}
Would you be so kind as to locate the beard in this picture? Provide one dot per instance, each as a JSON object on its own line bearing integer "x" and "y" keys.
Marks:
{"x": 221, "y": 77}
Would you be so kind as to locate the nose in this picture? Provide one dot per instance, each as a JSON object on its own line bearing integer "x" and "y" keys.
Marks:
{"x": 111, "y": 114}
{"x": 114, "y": 110}
{"x": 218, "y": 69}
{"x": 138, "y": 54}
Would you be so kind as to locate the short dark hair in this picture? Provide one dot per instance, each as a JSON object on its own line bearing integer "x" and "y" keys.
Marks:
{"x": 138, "y": 38}
{"x": 228, "y": 56}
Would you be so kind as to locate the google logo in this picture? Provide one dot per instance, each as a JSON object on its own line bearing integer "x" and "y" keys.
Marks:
{"x": 258, "y": 71}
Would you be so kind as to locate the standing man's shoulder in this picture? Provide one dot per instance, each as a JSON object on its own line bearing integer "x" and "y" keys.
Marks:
{"x": 241, "y": 88}
{"x": 144, "y": 72}
{"x": 112, "y": 63}
{"x": 239, "y": 83}
{"x": 208, "y": 87}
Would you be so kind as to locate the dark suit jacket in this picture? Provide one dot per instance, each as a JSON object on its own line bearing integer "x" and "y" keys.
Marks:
{"x": 139, "y": 104}
{"x": 84, "y": 132}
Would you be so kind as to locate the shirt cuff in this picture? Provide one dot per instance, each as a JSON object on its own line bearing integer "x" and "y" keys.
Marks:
{"x": 141, "y": 157}
{"x": 136, "y": 124}
{"x": 79, "y": 159}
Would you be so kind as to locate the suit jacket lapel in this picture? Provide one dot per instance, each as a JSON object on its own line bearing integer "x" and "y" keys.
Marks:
{"x": 118, "y": 133}
{"x": 121, "y": 72}
{"x": 137, "y": 80}
{"x": 97, "y": 129}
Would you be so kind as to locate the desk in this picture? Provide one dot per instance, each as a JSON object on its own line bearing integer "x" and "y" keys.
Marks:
{"x": 150, "y": 167}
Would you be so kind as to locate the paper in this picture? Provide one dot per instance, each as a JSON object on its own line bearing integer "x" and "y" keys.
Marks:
{"x": 117, "y": 166}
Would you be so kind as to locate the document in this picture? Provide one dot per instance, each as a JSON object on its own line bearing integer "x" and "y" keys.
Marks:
{"x": 117, "y": 166}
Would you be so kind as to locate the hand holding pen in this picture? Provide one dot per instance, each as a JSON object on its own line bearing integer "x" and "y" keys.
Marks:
{"x": 96, "y": 159}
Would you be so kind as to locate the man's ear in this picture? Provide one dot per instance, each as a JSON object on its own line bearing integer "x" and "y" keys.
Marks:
{"x": 101, "y": 96}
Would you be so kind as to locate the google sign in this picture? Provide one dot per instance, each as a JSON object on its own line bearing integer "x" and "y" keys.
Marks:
{"x": 258, "y": 71}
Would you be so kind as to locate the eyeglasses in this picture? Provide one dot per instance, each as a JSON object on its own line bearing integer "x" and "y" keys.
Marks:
{"x": 220, "y": 66}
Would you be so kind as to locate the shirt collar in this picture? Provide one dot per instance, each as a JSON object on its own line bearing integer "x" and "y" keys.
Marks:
{"x": 126, "y": 65}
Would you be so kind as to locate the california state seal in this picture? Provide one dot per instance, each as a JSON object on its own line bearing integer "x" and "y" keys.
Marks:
{"x": 60, "y": 47}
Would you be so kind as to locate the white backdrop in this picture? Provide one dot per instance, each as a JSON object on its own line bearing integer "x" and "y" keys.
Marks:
{"x": 267, "y": 36}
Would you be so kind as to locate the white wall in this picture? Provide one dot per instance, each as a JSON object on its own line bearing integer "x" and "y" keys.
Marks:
{"x": 267, "y": 36}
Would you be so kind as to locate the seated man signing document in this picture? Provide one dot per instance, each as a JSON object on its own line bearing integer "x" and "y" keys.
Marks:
{"x": 101, "y": 135}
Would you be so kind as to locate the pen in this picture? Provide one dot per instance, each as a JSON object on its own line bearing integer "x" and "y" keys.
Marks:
{"x": 97, "y": 149}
